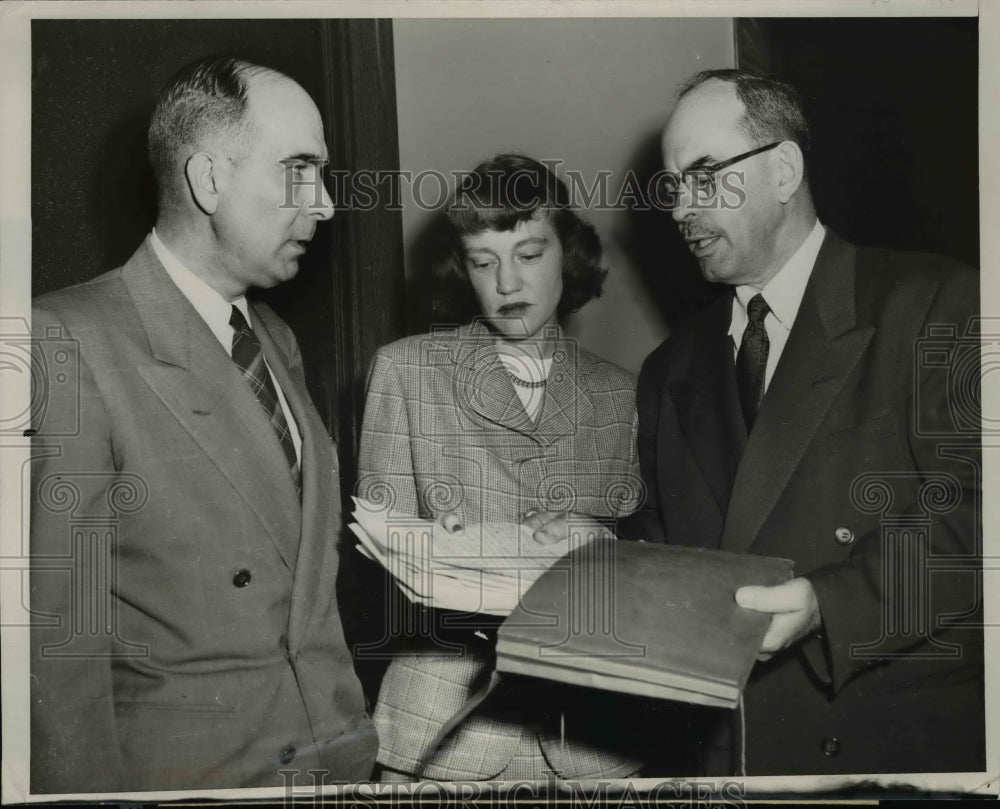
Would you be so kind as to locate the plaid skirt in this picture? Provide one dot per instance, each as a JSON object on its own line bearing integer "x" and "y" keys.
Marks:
{"x": 522, "y": 731}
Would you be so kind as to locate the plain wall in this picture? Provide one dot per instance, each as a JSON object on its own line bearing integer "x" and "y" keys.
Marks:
{"x": 592, "y": 93}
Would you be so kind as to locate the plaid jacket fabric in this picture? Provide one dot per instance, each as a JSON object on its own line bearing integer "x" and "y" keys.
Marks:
{"x": 444, "y": 430}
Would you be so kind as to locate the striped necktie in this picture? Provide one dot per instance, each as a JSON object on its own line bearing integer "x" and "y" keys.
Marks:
{"x": 751, "y": 360}
{"x": 250, "y": 359}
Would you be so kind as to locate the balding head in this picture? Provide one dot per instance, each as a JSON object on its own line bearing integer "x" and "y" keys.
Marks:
{"x": 239, "y": 152}
{"x": 746, "y": 133}
{"x": 205, "y": 103}
{"x": 772, "y": 109}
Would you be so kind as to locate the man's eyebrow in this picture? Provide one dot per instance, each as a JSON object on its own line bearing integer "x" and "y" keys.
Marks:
{"x": 305, "y": 157}
{"x": 702, "y": 162}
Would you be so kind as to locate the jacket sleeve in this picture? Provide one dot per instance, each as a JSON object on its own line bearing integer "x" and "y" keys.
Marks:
{"x": 385, "y": 460}
{"x": 646, "y": 521}
{"x": 74, "y": 737}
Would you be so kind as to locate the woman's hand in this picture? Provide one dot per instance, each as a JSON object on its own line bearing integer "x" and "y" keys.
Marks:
{"x": 555, "y": 526}
{"x": 451, "y": 522}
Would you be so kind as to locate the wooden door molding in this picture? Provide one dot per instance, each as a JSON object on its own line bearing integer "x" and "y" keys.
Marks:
{"x": 368, "y": 282}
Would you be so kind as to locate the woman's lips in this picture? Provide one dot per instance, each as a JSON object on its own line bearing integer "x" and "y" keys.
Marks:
{"x": 513, "y": 309}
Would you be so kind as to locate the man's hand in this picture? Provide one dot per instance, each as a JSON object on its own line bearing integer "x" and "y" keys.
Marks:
{"x": 554, "y": 526}
{"x": 794, "y": 612}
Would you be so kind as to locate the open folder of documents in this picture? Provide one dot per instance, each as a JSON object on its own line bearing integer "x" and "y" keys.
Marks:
{"x": 636, "y": 617}
{"x": 642, "y": 618}
{"x": 482, "y": 568}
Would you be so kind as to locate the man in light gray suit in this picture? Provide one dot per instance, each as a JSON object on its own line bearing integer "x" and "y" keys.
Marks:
{"x": 183, "y": 539}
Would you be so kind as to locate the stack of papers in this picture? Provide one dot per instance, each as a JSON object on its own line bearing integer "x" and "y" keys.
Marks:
{"x": 482, "y": 568}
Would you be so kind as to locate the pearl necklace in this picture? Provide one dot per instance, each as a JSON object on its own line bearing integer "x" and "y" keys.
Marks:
{"x": 523, "y": 383}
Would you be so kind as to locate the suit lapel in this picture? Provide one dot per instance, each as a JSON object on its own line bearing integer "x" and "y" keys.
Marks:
{"x": 567, "y": 403}
{"x": 707, "y": 404}
{"x": 205, "y": 391}
{"x": 823, "y": 347}
{"x": 482, "y": 384}
{"x": 320, "y": 493}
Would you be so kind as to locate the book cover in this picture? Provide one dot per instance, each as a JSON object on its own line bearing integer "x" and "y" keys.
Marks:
{"x": 642, "y": 618}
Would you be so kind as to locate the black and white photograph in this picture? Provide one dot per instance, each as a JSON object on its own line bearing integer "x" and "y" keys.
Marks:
{"x": 577, "y": 404}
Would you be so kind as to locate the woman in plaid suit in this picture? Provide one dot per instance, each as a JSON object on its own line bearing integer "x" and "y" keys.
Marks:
{"x": 492, "y": 422}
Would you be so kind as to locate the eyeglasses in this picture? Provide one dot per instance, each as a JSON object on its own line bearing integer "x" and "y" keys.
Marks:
{"x": 700, "y": 181}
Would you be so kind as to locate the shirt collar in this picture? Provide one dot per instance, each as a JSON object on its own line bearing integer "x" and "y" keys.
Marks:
{"x": 785, "y": 291}
{"x": 213, "y": 308}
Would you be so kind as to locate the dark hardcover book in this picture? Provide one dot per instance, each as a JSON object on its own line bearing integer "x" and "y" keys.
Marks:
{"x": 642, "y": 618}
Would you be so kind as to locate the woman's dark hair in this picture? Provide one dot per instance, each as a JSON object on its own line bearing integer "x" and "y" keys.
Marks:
{"x": 500, "y": 193}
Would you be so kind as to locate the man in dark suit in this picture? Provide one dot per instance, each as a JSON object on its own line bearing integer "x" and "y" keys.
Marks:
{"x": 799, "y": 417}
{"x": 184, "y": 534}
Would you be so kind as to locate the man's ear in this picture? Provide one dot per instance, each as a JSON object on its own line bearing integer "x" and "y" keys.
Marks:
{"x": 200, "y": 172}
{"x": 791, "y": 169}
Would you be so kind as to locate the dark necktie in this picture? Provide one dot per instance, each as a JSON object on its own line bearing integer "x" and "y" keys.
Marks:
{"x": 751, "y": 361}
{"x": 250, "y": 359}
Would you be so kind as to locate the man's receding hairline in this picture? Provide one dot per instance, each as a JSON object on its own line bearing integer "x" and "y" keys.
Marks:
{"x": 743, "y": 122}
{"x": 254, "y": 77}
{"x": 258, "y": 75}
{"x": 688, "y": 93}
{"x": 267, "y": 77}
{"x": 706, "y": 87}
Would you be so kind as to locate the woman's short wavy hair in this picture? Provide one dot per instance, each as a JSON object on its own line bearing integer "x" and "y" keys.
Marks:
{"x": 500, "y": 193}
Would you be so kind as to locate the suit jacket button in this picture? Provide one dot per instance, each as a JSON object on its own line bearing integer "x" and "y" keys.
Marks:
{"x": 242, "y": 578}
{"x": 844, "y": 536}
{"x": 831, "y": 747}
{"x": 287, "y": 754}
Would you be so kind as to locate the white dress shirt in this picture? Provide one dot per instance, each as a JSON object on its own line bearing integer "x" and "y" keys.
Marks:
{"x": 216, "y": 311}
{"x": 783, "y": 294}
